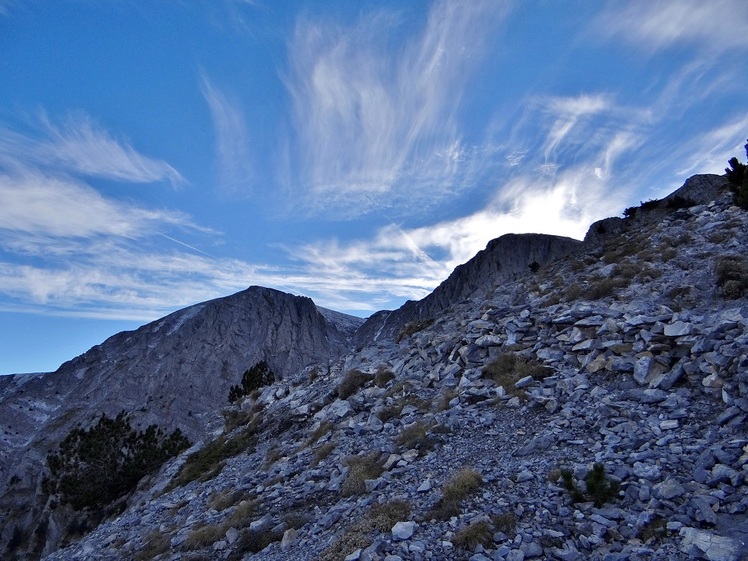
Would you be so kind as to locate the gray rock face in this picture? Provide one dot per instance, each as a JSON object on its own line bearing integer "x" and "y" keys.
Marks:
{"x": 504, "y": 258}
{"x": 174, "y": 372}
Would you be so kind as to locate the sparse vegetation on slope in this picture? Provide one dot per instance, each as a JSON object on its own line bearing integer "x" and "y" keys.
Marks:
{"x": 94, "y": 467}
{"x": 598, "y": 486}
{"x": 208, "y": 461}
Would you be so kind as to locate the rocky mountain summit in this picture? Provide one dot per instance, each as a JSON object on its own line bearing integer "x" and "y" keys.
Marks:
{"x": 571, "y": 401}
{"x": 175, "y": 372}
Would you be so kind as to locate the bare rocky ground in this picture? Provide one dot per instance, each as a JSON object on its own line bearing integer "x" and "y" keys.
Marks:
{"x": 462, "y": 440}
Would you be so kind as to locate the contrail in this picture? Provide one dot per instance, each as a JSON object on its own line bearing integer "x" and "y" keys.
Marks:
{"x": 186, "y": 245}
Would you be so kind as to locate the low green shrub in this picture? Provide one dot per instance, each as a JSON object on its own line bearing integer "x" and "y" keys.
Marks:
{"x": 208, "y": 461}
{"x": 600, "y": 488}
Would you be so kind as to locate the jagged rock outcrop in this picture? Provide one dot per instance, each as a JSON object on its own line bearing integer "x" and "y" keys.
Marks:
{"x": 174, "y": 372}
{"x": 697, "y": 190}
{"x": 503, "y": 259}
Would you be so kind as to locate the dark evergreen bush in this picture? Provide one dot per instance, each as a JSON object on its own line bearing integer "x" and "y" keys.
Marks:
{"x": 738, "y": 178}
{"x": 651, "y": 204}
{"x": 253, "y": 379}
{"x": 678, "y": 202}
{"x": 94, "y": 467}
{"x": 600, "y": 489}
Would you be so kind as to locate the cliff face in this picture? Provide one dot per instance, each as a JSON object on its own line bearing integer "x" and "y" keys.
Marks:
{"x": 174, "y": 372}
{"x": 503, "y": 259}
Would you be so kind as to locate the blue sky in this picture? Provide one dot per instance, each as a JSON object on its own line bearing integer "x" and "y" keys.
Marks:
{"x": 158, "y": 154}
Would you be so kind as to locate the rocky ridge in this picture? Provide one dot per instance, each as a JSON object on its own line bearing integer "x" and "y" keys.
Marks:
{"x": 648, "y": 377}
{"x": 174, "y": 372}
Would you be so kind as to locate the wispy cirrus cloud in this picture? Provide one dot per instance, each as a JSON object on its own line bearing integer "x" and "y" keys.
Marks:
{"x": 79, "y": 146}
{"x": 716, "y": 25}
{"x": 374, "y": 115}
{"x": 567, "y": 112}
{"x": 67, "y": 248}
{"x": 39, "y": 204}
{"x": 715, "y": 147}
{"x": 233, "y": 157}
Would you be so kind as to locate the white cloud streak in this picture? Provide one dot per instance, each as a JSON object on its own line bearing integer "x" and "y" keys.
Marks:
{"x": 234, "y": 160}
{"x": 716, "y": 25}
{"x": 567, "y": 112}
{"x": 374, "y": 118}
{"x": 79, "y": 146}
{"x": 45, "y": 205}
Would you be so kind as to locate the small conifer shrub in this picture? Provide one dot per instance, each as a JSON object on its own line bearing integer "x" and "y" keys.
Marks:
{"x": 94, "y": 467}
{"x": 737, "y": 175}
{"x": 253, "y": 379}
{"x": 600, "y": 489}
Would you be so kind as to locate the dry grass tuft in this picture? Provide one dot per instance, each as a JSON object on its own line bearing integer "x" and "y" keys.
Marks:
{"x": 460, "y": 486}
{"x": 368, "y": 466}
{"x": 477, "y": 533}
{"x": 321, "y": 453}
{"x": 156, "y": 543}
{"x": 416, "y": 437}
{"x": 353, "y": 381}
{"x": 508, "y": 368}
